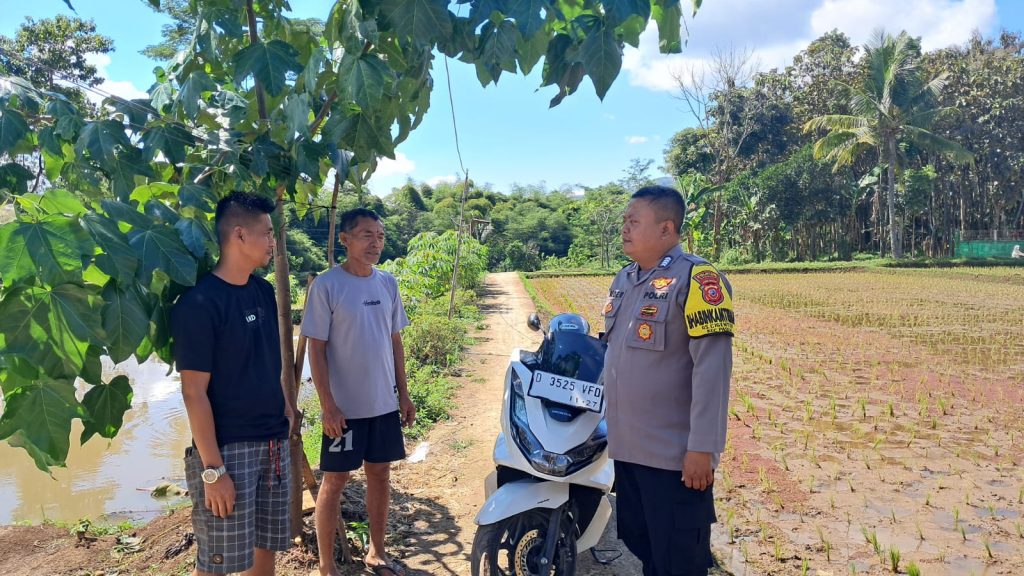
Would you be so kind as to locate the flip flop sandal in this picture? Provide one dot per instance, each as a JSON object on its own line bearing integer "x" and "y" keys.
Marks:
{"x": 386, "y": 569}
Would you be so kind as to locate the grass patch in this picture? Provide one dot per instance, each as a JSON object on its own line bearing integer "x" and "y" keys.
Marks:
{"x": 538, "y": 302}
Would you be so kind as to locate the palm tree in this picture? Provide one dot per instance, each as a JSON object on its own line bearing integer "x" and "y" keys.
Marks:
{"x": 893, "y": 103}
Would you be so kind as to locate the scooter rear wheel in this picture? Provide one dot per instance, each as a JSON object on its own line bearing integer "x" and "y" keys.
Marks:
{"x": 514, "y": 547}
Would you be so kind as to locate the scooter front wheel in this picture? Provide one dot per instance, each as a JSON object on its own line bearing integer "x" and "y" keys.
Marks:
{"x": 514, "y": 546}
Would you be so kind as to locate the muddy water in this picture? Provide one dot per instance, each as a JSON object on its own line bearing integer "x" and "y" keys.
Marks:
{"x": 107, "y": 480}
{"x": 106, "y": 477}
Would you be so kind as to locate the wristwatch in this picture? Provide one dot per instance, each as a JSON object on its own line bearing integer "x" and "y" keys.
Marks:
{"x": 211, "y": 474}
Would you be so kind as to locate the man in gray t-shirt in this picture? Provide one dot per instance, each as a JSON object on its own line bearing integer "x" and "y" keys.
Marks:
{"x": 354, "y": 320}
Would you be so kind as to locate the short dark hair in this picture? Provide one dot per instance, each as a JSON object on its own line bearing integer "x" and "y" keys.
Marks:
{"x": 350, "y": 218}
{"x": 239, "y": 209}
{"x": 667, "y": 202}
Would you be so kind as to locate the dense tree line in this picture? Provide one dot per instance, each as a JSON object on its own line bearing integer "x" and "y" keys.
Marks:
{"x": 806, "y": 155}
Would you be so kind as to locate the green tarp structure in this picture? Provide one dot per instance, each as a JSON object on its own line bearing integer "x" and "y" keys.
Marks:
{"x": 989, "y": 244}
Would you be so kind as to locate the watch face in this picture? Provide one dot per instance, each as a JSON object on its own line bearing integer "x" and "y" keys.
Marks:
{"x": 210, "y": 475}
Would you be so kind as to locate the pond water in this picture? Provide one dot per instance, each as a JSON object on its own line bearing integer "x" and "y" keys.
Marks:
{"x": 107, "y": 480}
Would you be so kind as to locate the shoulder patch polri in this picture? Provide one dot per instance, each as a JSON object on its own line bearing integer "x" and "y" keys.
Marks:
{"x": 708, "y": 309}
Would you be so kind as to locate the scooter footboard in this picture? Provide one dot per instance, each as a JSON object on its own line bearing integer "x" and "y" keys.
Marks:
{"x": 516, "y": 497}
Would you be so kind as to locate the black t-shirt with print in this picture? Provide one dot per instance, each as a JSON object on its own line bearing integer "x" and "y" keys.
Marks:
{"x": 231, "y": 332}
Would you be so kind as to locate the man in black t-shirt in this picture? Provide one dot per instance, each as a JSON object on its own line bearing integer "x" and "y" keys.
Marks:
{"x": 227, "y": 349}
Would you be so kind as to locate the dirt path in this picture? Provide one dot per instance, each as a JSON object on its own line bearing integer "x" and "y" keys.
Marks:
{"x": 452, "y": 476}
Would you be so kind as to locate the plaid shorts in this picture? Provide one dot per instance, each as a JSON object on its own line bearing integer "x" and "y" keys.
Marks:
{"x": 259, "y": 471}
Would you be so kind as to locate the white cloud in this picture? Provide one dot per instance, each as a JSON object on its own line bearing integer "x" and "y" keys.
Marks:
{"x": 449, "y": 179}
{"x": 636, "y": 139}
{"x": 123, "y": 88}
{"x": 775, "y": 31}
{"x": 397, "y": 167}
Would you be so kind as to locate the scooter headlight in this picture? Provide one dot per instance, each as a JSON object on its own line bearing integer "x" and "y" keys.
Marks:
{"x": 550, "y": 463}
{"x": 543, "y": 461}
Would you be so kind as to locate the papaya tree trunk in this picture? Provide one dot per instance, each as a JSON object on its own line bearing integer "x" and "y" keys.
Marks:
{"x": 332, "y": 219}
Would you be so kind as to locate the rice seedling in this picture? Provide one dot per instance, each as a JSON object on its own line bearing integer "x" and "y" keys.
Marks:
{"x": 912, "y": 569}
{"x": 894, "y": 559}
{"x": 988, "y": 548}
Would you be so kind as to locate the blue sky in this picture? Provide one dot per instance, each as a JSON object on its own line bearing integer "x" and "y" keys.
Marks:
{"x": 507, "y": 132}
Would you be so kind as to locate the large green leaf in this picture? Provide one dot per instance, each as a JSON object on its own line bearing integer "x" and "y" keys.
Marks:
{"x": 195, "y": 234}
{"x": 618, "y": 12}
{"x": 161, "y": 248}
{"x": 125, "y": 319}
{"x": 602, "y": 58}
{"x": 52, "y": 328}
{"x": 268, "y": 62}
{"x": 50, "y": 249}
{"x": 12, "y": 129}
{"x": 106, "y": 405}
{"x": 126, "y": 213}
{"x": 528, "y": 14}
{"x": 669, "y": 14}
{"x": 15, "y": 177}
{"x": 102, "y": 140}
{"x": 193, "y": 91}
{"x": 69, "y": 119}
{"x": 162, "y": 191}
{"x": 363, "y": 80}
{"x": 498, "y": 48}
{"x": 296, "y": 113}
{"x": 421, "y": 20}
{"x": 117, "y": 259}
{"x": 197, "y": 196}
{"x": 38, "y": 417}
{"x": 59, "y": 201}
{"x": 161, "y": 96}
{"x": 122, "y": 171}
{"x": 170, "y": 138}
{"x": 529, "y": 51}
{"x": 362, "y": 135}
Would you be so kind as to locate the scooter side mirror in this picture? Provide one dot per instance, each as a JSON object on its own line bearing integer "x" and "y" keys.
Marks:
{"x": 533, "y": 322}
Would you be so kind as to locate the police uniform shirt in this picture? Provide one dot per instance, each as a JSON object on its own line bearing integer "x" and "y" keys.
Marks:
{"x": 669, "y": 361}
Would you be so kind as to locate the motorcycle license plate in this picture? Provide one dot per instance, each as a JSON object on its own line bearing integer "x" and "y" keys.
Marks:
{"x": 568, "y": 391}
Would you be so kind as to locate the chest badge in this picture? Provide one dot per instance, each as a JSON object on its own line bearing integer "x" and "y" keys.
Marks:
{"x": 609, "y": 305}
{"x": 649, "y": 311}
{"x": 710, "y": 287}
{"x": 644, "y": 331}
{"x": 662, "y": 283}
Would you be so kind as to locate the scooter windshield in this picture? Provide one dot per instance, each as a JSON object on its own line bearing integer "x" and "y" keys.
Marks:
{"x": 573, "y": 355}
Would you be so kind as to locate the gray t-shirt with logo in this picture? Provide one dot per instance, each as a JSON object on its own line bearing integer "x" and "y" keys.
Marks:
{"x": 356, "y": 316}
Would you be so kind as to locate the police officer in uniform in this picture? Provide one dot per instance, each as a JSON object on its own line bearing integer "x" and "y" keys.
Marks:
{"x": 669, "y": 325}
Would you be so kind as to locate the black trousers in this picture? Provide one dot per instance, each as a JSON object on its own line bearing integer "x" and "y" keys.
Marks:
{"x": 664, "y": 523}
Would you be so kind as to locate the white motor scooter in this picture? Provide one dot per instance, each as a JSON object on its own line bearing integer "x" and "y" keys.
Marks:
{"x": 547, "y": 500}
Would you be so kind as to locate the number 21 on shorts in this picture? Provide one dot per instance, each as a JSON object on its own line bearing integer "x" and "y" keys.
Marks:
{"x": 336, "y": 445}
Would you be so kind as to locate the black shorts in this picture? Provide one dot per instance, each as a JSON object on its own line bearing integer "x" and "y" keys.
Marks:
{"x": 664, "y": 523}
{"x": 375, "y": 440}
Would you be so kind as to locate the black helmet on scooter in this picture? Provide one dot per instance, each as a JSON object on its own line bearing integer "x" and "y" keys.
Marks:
{"x": 569, "y": 322}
